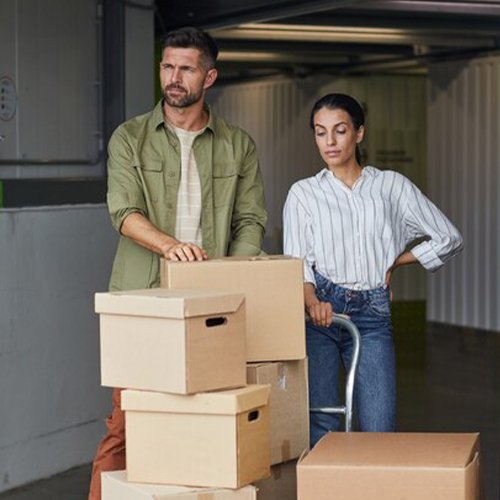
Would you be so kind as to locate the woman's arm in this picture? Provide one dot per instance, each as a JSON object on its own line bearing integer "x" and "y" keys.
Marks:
{"x": 423, "y": 219}
{"x": 297, "y": 241}
{"x": 404, "y": 259}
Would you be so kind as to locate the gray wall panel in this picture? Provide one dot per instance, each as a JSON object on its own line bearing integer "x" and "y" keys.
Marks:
{"x": 139, "y": 58}
{"x": 8, "y": 37}
{"x": 52, "y": 262}
{"x": 52, "y": 54}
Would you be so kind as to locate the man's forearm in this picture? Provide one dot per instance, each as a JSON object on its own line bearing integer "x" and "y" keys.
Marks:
{"x": 142, "y": 231}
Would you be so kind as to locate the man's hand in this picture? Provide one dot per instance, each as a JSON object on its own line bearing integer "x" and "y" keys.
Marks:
{"x": 139, "y": 228}
{"x": 185, "y": 252}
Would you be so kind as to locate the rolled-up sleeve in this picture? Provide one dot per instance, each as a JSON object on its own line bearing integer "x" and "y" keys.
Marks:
{"x": 424, "y": 220}
{"x": 125, "y": 193}
{"x": 298, "y": 234}
{"x": 249, "y": 216}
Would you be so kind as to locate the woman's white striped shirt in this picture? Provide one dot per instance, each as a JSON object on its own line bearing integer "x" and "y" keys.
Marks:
{"x": 353, "y": 236}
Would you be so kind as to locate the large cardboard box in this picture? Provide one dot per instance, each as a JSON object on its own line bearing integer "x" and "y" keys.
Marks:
{"x": 215, "y": 439}
{"x": 180, "y": 341}
{"x": 391, "y": 466}
{"x": 288, "y": 406}
{"x": 274, "y": 292}
{"x": 116, "y": 487}
{"x": 282, "y": 485}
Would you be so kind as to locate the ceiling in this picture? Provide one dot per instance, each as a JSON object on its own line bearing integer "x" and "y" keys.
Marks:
{"x": 259, "y": 38}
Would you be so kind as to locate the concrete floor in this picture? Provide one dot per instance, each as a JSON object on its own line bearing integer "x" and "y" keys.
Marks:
{"x": 448, "y": 381}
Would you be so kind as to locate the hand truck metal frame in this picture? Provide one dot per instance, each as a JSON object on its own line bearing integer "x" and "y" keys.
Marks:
{"x": 347, "y": 408}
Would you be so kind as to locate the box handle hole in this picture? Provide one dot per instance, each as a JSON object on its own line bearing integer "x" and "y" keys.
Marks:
{"x": 253, "y": 415}
{"x": 210, "y": 322}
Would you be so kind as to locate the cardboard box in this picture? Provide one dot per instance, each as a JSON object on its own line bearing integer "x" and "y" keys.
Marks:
{"x": 274, "y": 292}
{"x": 391, "y": 466}
{"x": 215, "y": 439}
{"x": 116, "y": 487}
{"x": 282, "y": 485}
{"x": 288, "y": 406}
{"x": 180, "y": 341}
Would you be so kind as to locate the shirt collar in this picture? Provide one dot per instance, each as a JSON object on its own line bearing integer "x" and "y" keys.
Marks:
{"x": 158, "y": 118}
{"x": 366, "y": 171}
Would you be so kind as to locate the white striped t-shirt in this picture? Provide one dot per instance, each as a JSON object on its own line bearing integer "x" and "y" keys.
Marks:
{"x": 353, "y": 236}
{"x": 188, "y": 215}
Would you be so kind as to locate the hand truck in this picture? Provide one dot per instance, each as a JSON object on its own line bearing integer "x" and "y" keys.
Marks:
{"x": 344, "y": 322}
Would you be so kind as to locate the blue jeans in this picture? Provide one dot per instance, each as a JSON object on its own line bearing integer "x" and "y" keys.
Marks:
{"x": 375, "y": 385}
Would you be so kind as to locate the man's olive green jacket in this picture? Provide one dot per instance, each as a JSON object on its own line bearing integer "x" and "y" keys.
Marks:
{"x": 143, "y": 176}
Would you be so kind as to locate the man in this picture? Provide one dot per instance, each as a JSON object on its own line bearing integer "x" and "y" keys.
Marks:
{"x": 183, "y": 184}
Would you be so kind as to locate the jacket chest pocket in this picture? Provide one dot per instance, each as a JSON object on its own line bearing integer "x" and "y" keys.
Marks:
{"x": 224, "y": 182}
{"x": 151, "y": 175}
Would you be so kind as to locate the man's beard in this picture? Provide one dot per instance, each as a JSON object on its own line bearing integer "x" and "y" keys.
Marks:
{"x": 182, "y": 100}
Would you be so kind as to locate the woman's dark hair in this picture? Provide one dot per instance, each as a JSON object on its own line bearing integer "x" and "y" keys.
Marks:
{"x": 188, "y": 38}
{"x": 346, "y": 103}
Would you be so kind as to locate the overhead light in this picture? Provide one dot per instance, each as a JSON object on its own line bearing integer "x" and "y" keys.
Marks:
{"x": 353, "y": 34}
{"x": 279, "y": 57}
{"x": 476, "y": 7}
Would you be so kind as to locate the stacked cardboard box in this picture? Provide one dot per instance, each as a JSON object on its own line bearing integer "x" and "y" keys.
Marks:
{"x": 288, "y": 406}
{"x": 275, "y": 340}
{"x": 282, "y": 485}
{"x": 216, "y": 439}
{"x": 184, "y": 343}
{"x": 116, "y": 486}
{"x": 274, "y": 296}
{"x": 176, "y": 341}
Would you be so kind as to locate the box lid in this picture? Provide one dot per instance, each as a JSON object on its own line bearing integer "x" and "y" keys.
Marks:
{"x": 230, "y": 402}
{"x": 164, "y": 491}
{"x": 395, "y": 450}
{"x": 237, "y": 258}
{"x": 168, "y": 303}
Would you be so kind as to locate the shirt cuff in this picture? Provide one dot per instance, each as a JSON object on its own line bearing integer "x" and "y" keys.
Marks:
{"x": 309, "y": 274}
{"x": 118, "y": 219}
{"x": 427, "y": 256}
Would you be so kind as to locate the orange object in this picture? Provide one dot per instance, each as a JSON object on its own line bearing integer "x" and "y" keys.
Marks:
{"x": 110, "y": 454}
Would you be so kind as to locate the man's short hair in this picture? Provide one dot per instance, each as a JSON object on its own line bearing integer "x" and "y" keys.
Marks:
{"x": 190, "y": 37}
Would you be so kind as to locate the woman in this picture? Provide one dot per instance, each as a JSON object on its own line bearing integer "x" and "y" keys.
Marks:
{"x": 351, "y": 225}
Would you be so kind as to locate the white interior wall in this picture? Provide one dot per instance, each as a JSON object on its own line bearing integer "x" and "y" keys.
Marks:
{"x": 52, "y": 261}
{"x": 463, "y": 177}
{"x": 276, "y": 114}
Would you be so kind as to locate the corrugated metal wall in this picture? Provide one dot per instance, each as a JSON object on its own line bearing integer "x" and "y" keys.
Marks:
{"x": 276, "y": 114}
{"x": 463, "y": 164}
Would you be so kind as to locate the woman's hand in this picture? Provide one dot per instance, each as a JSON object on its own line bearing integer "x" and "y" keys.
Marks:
{"x": 320, "y": 313}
